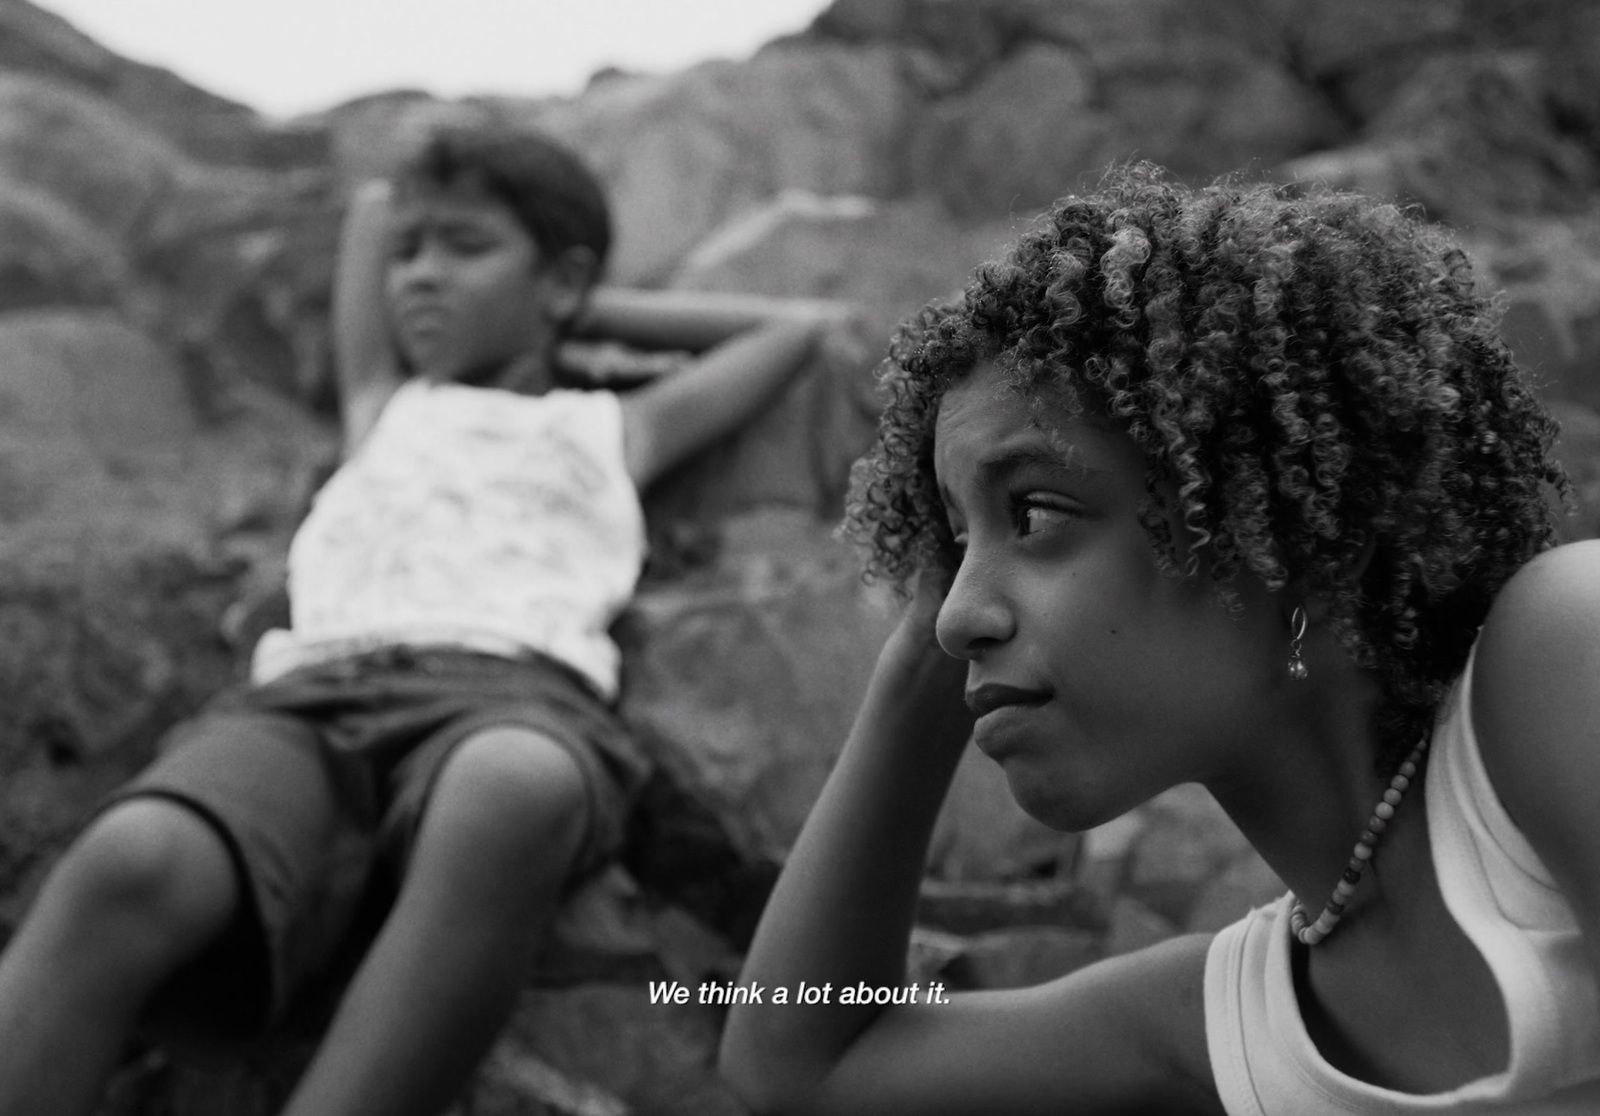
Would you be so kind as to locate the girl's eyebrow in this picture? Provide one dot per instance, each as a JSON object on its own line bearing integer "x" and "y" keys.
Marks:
{"x": 1010, "y": 461}
{"x": 1005, "y": 464}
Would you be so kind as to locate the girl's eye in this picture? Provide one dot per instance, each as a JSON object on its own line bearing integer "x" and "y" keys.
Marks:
{"x": 1034, "y": 515}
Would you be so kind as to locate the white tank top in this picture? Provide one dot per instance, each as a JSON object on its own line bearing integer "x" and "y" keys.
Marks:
{"x": 473, "y": 518}
{"x": 1504, "y": 900}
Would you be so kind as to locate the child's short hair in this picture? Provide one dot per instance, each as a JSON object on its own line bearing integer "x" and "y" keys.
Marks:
{"x": 1304, "y": 374}
{"x": 555, "y": 196}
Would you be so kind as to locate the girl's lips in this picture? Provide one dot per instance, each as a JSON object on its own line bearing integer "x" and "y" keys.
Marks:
{"x": 985, "y": 699}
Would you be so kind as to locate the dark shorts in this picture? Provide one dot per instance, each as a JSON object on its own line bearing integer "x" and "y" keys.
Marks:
{"x": 317, "y": 783}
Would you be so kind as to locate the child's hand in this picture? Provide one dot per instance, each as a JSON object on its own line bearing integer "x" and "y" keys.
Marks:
{"x": 921, "y": 616}
{"x": 913, "y": 656}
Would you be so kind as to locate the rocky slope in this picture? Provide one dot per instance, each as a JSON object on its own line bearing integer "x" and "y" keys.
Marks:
{"x": 165, "y": 403}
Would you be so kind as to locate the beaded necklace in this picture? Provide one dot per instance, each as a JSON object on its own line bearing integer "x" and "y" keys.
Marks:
{"x": 1313, "y": 932}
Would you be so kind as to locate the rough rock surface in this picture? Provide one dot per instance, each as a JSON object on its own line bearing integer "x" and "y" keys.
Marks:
{"x": 166, "y": 405}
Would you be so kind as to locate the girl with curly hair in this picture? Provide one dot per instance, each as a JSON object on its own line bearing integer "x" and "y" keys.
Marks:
{"x": 1238, "y": 487}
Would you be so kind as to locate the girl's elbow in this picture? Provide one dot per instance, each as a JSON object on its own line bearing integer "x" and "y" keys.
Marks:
{"x": 768, "y": 1082}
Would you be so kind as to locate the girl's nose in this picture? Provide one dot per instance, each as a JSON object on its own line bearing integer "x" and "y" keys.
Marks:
{"x": 975, "y": 615}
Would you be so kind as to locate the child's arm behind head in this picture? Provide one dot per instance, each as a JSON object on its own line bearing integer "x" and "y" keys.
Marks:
{"x": 749, "y": 349}
{"x": 366, "y": 364}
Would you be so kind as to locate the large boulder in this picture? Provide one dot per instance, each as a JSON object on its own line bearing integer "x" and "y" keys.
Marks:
{"x": 86, "y": 152}
{"x": 230, "y": 265}
{"x": 88, "y": 395}
{"x": 889, "y": 258}
{"x": 1549, "y": 270}
{"x": 51, "y": 255}
{"x": 795, "y": 453}
{"x": 683, "y": 153}
{"x": 1468, "y": 136}
{"x": 38, "y": 42}
{"x": 131, "y": 527}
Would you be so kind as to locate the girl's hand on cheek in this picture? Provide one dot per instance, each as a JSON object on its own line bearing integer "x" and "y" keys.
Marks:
{"x": 921, "y": 617}
{"x": 914, "y": 659}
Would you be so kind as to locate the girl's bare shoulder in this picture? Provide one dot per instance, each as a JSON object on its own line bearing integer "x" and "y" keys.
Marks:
{"x": 1543, "y": 627}
{"x": 1535, "y": 711}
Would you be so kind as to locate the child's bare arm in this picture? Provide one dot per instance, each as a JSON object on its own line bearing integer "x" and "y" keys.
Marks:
{"x": 693, "y": 321}
{"x": 1107, "y": 1038}
{"x": 365, "y": 361}
{"x": 751, "y": 348}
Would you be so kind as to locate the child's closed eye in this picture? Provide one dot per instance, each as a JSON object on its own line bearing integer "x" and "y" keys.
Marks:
{"x": 469, "y": 242}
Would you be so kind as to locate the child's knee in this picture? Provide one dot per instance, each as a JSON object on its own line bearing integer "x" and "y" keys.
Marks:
{"x": 514, "y": 792}
{"x": 154, "y": 864}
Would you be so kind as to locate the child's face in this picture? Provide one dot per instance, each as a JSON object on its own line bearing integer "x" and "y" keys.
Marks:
{"x": 466, "y": 287}
{"x": 1109, "y": 680}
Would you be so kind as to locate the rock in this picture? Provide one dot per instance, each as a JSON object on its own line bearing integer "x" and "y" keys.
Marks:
{"x": 1579, "y": 453}
{"x": 1101, "y": 868}
{"x": 930, "y": 951}
{"x": 129, "y": 531}
{"x": 796, "y": 453}
{"x": 1048, "y": 120}
{"x": 783, "y": 616}
{"x": 1359, "y": 51}
{"x": 1571, "y": 41}
{"x": 89, "y": 378}
{"x": 231, "y": 266}
{"x": 1245, "y": 884}
{"x": 888, "y": 257}
{"x": 1134, "y": 926}
{"x": 982, "y": 834}
{"x": 657, "y": 1058}
{"x": 610, "y": 930}
{"x": 1467, "y": 136}
{"x": 240, "y": 265}
{"x": 51, "y": 255}
{"x": 37, "y": 42}
{"x": 1021, "y": 956}
{"x": 1023, "y": 136}
{"x": 1549, "y": 269}
{"x": 1186, "y": 841}
{"x": 1485, "y": 113}
{"x": 1044, "y": 96}
{"x": 974, "y": 907}
{"x": 86, "y": 152}
{"x": 1251, "y": 111}
{"x": 682, "y": 154}
{"x": 516, "y": 1083}
{"x": 966, "y": 39}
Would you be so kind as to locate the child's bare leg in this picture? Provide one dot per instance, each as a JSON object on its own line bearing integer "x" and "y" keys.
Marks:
{"x": 146, "y": 888}
{"x": 504, "y": 822}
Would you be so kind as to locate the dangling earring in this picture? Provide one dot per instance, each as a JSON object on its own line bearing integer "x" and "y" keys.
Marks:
{"x": 1297, "y": 665}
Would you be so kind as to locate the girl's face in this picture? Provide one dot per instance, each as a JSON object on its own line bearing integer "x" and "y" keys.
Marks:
{"x": 1099, "y": 680}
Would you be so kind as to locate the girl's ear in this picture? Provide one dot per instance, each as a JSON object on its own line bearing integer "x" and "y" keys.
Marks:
{"x": 569, "y": 277}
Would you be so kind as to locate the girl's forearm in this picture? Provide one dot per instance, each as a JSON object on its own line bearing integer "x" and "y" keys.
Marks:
{"x": 843, "y": 909}
{"x": 689, "y": 320}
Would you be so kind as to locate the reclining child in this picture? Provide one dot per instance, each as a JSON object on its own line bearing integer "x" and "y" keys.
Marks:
{"x": 429, "y": 755}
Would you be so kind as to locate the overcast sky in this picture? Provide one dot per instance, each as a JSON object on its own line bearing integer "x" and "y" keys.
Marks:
{"x": 285, "y": 57}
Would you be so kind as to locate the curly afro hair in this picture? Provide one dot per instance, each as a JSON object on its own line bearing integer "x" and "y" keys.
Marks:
{"x": 1319, "y": 389}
